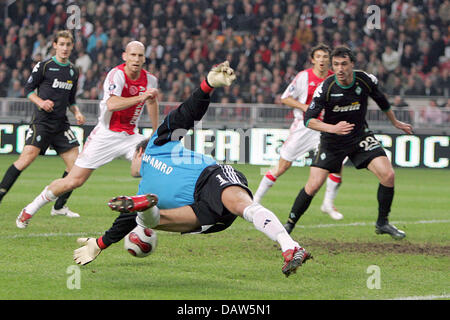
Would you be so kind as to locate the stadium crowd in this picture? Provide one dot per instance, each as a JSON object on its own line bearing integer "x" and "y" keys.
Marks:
{"x": 266, "y": 41}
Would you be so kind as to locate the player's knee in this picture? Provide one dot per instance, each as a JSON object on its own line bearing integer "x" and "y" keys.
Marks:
{"x": 311, "y": 189}
{"x": 313, "y": 186}
{"x": 388, "y": 178}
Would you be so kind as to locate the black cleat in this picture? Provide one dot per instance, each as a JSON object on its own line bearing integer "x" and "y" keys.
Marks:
{"x": 391, "y": 230}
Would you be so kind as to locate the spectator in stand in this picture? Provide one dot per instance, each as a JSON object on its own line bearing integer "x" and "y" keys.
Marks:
{"x": 211, "y": 22}
{"x": 3, "y": 84}
{"x": 390, "y": 59}
{"x": 430, "y": 88}
{"x": 399, "y": 105}
{"x": 16, "y": 90}
{"x": 412, "y": 88}
{"x": 417, "y": 30}
{"x": 57, "y": 19}
{"x": 433, "y": 114}
{"x": 409, "y": 57}
{"x": 83, "y": 61}
{"x": 93, "y": 39}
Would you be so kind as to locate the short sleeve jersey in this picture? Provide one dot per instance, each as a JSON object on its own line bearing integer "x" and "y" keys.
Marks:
{"x": 346, "y": 103}
{"x": 55, "y": 81}
{"x": 117, "y": 83}
{"x": 171, "y": 171}
{"x": 302, "y": 89}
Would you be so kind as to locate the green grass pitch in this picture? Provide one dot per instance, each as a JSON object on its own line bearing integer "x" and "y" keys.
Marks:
{"x": 350, "y": 260}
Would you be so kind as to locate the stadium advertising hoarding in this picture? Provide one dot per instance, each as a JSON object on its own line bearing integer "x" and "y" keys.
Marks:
{"x": 260, "y": 146}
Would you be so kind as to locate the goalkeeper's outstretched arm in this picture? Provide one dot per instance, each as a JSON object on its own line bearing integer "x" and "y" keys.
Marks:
{"x": 180, "y": 120}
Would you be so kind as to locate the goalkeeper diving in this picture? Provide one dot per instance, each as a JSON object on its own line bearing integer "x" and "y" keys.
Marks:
{"x": 188, "y": 192}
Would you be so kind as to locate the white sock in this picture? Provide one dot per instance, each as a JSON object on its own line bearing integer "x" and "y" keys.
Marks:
{"x": 268, "y": 223}
{"x": 42, "y": 199}
{"x": 148, "y": 218}
{"x": 333, "y": 183}
{"x": 266, "y": 183}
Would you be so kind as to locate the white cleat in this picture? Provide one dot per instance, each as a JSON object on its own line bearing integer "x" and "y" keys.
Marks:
{"x": 23, "y": 219}
{"x": 64, "y": 211}
{"x": 331, "y": 211}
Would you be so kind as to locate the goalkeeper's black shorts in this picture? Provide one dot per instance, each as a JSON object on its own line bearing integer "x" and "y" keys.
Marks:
{"x": 208, "y": 206}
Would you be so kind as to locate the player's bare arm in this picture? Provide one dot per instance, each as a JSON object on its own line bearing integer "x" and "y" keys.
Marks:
{"x": 340, "y": 128}
{"x": 291, "y": 102}
{"x": 116, "y": 103}
{"x": 81, "y": 119}
{"x": 46, "y": 105}
{"x": 153, "y": 109}
{"x": 406, "y": 127}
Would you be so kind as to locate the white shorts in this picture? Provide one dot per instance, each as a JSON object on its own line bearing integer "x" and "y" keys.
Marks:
{"x": 103, "y": 146}
{"x": 299, "y": 141}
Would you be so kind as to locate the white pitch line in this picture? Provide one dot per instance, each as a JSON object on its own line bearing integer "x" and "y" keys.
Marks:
{"x": 430, "y": 297}
{"x": 331, "y": 225}
{"x": 48, "y": 235}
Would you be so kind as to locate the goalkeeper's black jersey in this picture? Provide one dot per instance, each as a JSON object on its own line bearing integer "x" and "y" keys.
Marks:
{"x": 57, "y": 82}
{"x": 345, "y": 103}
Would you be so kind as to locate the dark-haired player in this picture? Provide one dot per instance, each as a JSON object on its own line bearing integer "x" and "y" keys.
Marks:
{"x": 345, "y": 133}
{"x": 298, "y": 95}
{"x": 51, "y": 87}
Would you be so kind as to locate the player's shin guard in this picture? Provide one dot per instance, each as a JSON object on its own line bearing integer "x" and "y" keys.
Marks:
{"x": 333, "y": 183}
{"x": 9, "y": 178}
{"x": 266, "y": 183}
{"x": 42, "y": 199}
{"x": 62, "y": 199}
{"x": 267, "y": 222}
{"x": 385, "y": 195}
{"x": 301, "y": 204}
{"x": 149, "y": 218}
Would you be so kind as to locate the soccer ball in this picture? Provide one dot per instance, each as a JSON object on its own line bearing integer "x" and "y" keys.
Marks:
{"x": 141, "y": 242}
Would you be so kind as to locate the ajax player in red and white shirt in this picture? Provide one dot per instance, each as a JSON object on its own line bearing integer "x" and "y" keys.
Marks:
{"x": 298, "y": 95}
{"x": 127, "y": 89}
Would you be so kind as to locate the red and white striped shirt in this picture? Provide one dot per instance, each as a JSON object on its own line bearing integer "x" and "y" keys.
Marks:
{"x": 302, "y": 88}
{"x": 118, "y": 84}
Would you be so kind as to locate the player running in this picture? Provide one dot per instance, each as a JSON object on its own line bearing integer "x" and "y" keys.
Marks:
{"x": 194, "y": 193}
{"x": 52, "y": 87}
{"x": 127, "y": 88}
{"x": 344, "y": 132}
{"x": 298, "y": 95}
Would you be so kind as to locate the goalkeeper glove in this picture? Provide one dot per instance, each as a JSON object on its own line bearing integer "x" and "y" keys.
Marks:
{"x": 88, "y": 252}
{"x": 221, "y": 75}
